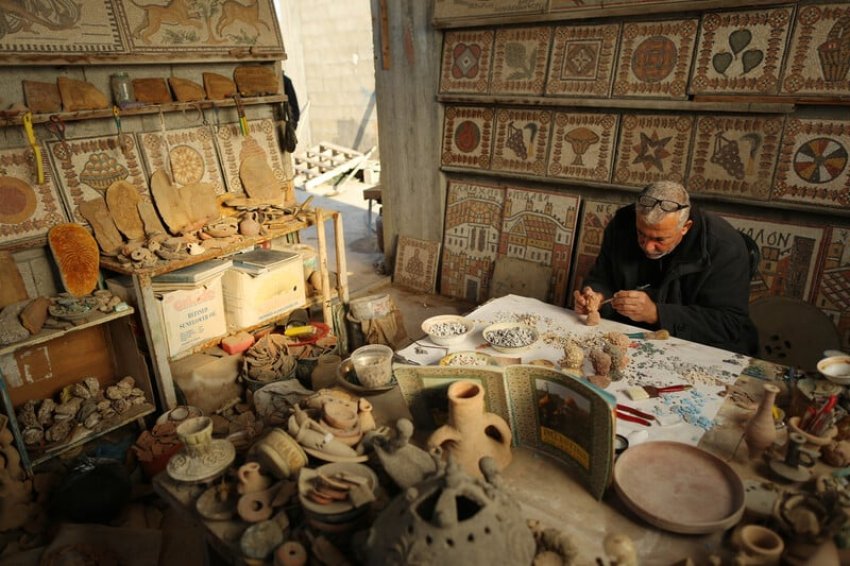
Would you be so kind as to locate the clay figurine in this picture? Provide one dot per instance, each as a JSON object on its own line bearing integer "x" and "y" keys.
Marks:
{"x": 405, "y": 463}
{"x": 593, "y": 304}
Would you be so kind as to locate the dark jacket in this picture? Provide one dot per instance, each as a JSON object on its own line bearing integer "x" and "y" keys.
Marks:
{"x": 701, "y": 288}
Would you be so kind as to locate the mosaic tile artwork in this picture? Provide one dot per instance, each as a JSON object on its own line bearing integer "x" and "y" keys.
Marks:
{"x": 832, "y": 290}
{"x": 467, "y": 137}
{"x": 466, "y": 61}
{"x": 233, "y": 147}
{"x": 519, "y": 60}
{"x": 813, "y": 163}
{"x": 86, "y": 167}
{"x": 582, "y": 60}
{"x": 188, "y": 155}
{"x": 653, "y": 148}
{"x": 741, "y": 51}
{"x": 471, "y": 239}
{"x": 540, "y": 227}
{"x": 453, "y": 10}
{"x": 416, "y": 264}
{"x": 595, "y": 216}
{"x": 818, "y": 60}
{"x": 583, "y": 146}
{"x": 27, "y": 209}
{"x": 790, "y": 255}
{"x": 735, "y": 155}
{"x": 655, "y": 58}
{"x": 521, "y": 141}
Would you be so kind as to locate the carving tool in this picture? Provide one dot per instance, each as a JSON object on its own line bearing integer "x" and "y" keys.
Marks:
{"x": 650, "y": 335}
{"x": 651, "y": 391}
{"x": 636, "y": 412}
{"x": 638, "y": 288}
{"x": 622, "y": 415}
{"x": 243, "y": 122}
{"x": 39, "y": 166}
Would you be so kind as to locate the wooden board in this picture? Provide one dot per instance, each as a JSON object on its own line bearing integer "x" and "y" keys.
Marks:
{"x": 77, "y": 257}
{"x": 122, "y": 199}
{"x": 12, "y": 288}
{"x": 42, "y": 97}
{"x": 256, "y": 80}
{"x": 151, "y": 91}
{"x": 513, "y": 276}
{"x": 169, "y": 202}
{"x": 450, "y": 10}
{"x": 80, "y": 95}
{"x": 185, "y": 90}
{"x": 106, "y": 233}
{"x": 218, "y": 87}
{"x": 467, "y": 137}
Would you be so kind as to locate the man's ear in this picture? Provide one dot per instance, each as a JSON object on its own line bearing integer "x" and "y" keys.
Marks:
{"x": 687, "y": 226}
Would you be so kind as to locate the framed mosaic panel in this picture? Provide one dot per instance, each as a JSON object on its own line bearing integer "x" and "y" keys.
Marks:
{"x": 813, "y": 163}
{"x": 466, "y": 61}
{"x": 583, "y": 146}
{"x": 467, "y": 137}
{"x": 655, "y": 58}
{"x": 653, "y": 147}
{"x": 86, "y": 167}
{"x": 818, "y": 60}
{"x": 27, "y": 209}
{"x": 453, "y": 10}
{"x": 473, "y": 225}
{"x": 519, "y": 60}
{"x": 735, "y": 155}
{"x": 582, "y": 60}
{"x": 741, "y": 51}
{"x": 595, "y": 216}
{"x": 832, "y": 287}
{"x": 416, "y": 263}
{"x": 521, "y": 141}
{"x": 790, "y": 256}
{"x": 540, "y": 227}
{"x": 233, "y": 147}
{"x": 188, "y": 155}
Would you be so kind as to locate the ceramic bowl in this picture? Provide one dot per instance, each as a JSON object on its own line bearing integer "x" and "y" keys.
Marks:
{"x": 447, "y": 329}
{"x": 467, "y": 359}
{"x": 347, "y": 377}
{"x": 511, "y": 337}
{"x": 373, "y": 365}
{"x": 836, "y": 369}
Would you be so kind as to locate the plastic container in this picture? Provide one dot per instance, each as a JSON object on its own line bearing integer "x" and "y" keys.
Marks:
{"x": 373, "y": 364}
{"x": 122, "y": 89}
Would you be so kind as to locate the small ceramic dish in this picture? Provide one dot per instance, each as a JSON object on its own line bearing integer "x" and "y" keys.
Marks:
{"x": 511, "y": 337}
{"x": 836, "y": 369}
{"x": 467, "y": 359}
{"x": 447, "y": 329}
{"x": 347, "y": 377}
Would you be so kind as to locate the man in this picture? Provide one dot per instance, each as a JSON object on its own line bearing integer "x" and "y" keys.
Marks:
{"x": 668, "y": 265}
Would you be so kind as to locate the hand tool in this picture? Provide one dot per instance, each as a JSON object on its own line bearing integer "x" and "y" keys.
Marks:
{"x": 39, "y": 166}
{"x": 650, "y": 391}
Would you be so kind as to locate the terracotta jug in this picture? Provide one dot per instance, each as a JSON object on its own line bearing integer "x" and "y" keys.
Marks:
{"x": 324, "y": 374}
{"x": 249, "y": 226}
{"x": 760, "y": 433}
{"x": 472, "y": 433}
{"x": 251, "y": 479}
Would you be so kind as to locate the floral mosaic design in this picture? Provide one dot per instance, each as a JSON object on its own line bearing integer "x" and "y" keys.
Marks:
{"x": 521, "y": 141}
{"x": 187, "y": 154}
{"x": 466, "y": 61}
{"x": 653, "y": 148}
{"x": 519, "y": 60}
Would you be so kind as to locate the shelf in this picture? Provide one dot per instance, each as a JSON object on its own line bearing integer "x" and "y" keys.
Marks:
{"x": 47, "y": 335}
{"x": 142, "y": 110}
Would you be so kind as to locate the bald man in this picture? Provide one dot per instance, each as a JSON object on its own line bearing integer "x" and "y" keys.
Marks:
{"x": 669, "y": 265}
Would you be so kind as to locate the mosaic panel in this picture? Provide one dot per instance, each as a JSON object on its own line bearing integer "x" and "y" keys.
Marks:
{"x": 735, "y": 155}
{"x": 583, "y": 146}
{"x": 473, "y": 225}
{"x": 813, "y": 163}
{"x": 519, "y": 60}
{"x": 187, "y": 154}
{"x": 582, "y": 60}
{"x": 653, "y": 148}
{"x": 467, "y": 136}
{"x": 540, "y": 227}
{"x": 832, "y": 288}
{"x": 466, "y": 61}
{"x": 452, "y": 10}
{"x": 655, "y": 58}
{"x": 521, "y": 141}
{"x": 741, "y": 52}
{"x": 818, "y": 61}
{"x": 416, "y": 264}
{"x": 595, "y": 216}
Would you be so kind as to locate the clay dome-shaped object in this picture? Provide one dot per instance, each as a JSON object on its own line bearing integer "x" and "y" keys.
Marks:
{"x": 452, "y": 518}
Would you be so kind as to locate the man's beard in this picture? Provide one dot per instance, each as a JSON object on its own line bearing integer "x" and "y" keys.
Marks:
{"x": 656, "y": 256}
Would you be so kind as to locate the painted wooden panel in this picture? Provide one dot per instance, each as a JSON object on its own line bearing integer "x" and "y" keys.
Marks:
{"x": 832, "y": 287}
{"x": 187, "y": 154}
{"x": 653, "y": 148}
{"x": 519, "y": 60}
{"x": 467, "y": 56}
{"x": 521, "y": 141}
{"x": 467, "y": 137}
{"x": 416, "y": 263}
{"x": 819, "y": 54}
{"x": 595, "y": 216}
{"x": 582, "y": 60}
{"x": 741, "y": 52}
{"x": 583, "y": 146}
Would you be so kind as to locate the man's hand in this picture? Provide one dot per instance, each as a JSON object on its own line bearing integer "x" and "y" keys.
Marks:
{"x": 635, "y": 305}
{"x": 582, "y": 300}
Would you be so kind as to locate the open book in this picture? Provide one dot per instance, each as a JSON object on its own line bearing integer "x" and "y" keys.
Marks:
{"x": 549, "y": 411}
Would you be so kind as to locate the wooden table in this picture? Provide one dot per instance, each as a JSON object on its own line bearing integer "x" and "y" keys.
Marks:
{"x": 372, "y": 194}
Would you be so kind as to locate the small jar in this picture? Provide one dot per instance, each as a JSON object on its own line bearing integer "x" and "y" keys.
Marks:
{"x": 122, "y": 89}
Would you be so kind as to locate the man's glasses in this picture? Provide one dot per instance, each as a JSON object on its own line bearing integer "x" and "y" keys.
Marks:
{"x": 647, "y": 201}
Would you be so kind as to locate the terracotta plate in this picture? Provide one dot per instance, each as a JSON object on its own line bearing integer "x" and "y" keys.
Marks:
{"x": 679, "y": 488}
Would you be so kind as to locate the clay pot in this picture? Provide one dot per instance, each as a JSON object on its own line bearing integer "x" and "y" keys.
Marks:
{"x": 290, "y": 553}
{"x": 472, "y": 433}
{"x": 760, "y": 433}
{"x": 813, "y": 443}
{"x": 251, "y": 479}
{"x": 759, "y": 545}
{"x": 280, "y": 454}
{"x": 364, "y": 414}
{"x": 249, "y": 226}
{"x": 324, "y": 374}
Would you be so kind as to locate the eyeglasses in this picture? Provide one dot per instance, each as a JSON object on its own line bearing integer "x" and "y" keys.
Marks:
{"x": 647, "y": 201}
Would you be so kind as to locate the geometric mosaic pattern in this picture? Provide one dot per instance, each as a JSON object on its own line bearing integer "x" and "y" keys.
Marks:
{"x": 582, "y": 60}
{"x": 187, "y": 154}
{"x": 655, "y": 58}
{"x": 466, "y": 61}
{"x": 813, "y": 163}
{"x": 521, "y": 141}
{"x": 519, "y": 60}
{"x": 819, "y": 53}
{"x": 653, "y": 148}
{"x": 467, "y": 136}
{"x": 735, "y": 155}
{"x": 832, "y": 290}
{"x": 416, "y": 264}
{"x": 741, "y": 51}
{"x": 595, "y": 216}
{"x": 583, "y": 146}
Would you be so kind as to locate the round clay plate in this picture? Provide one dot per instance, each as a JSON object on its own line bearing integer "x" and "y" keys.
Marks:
{"x": 307, "y": 475}
{"x": 193, "y": 469}
{"x": 679, "y": 488}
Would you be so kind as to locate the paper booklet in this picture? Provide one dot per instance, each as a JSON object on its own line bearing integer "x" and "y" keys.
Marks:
{"x": 549, "y": 411}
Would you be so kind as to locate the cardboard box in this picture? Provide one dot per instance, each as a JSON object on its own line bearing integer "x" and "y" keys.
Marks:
{"x": 192, "y": 316}
{"x": 250, "y": 299}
